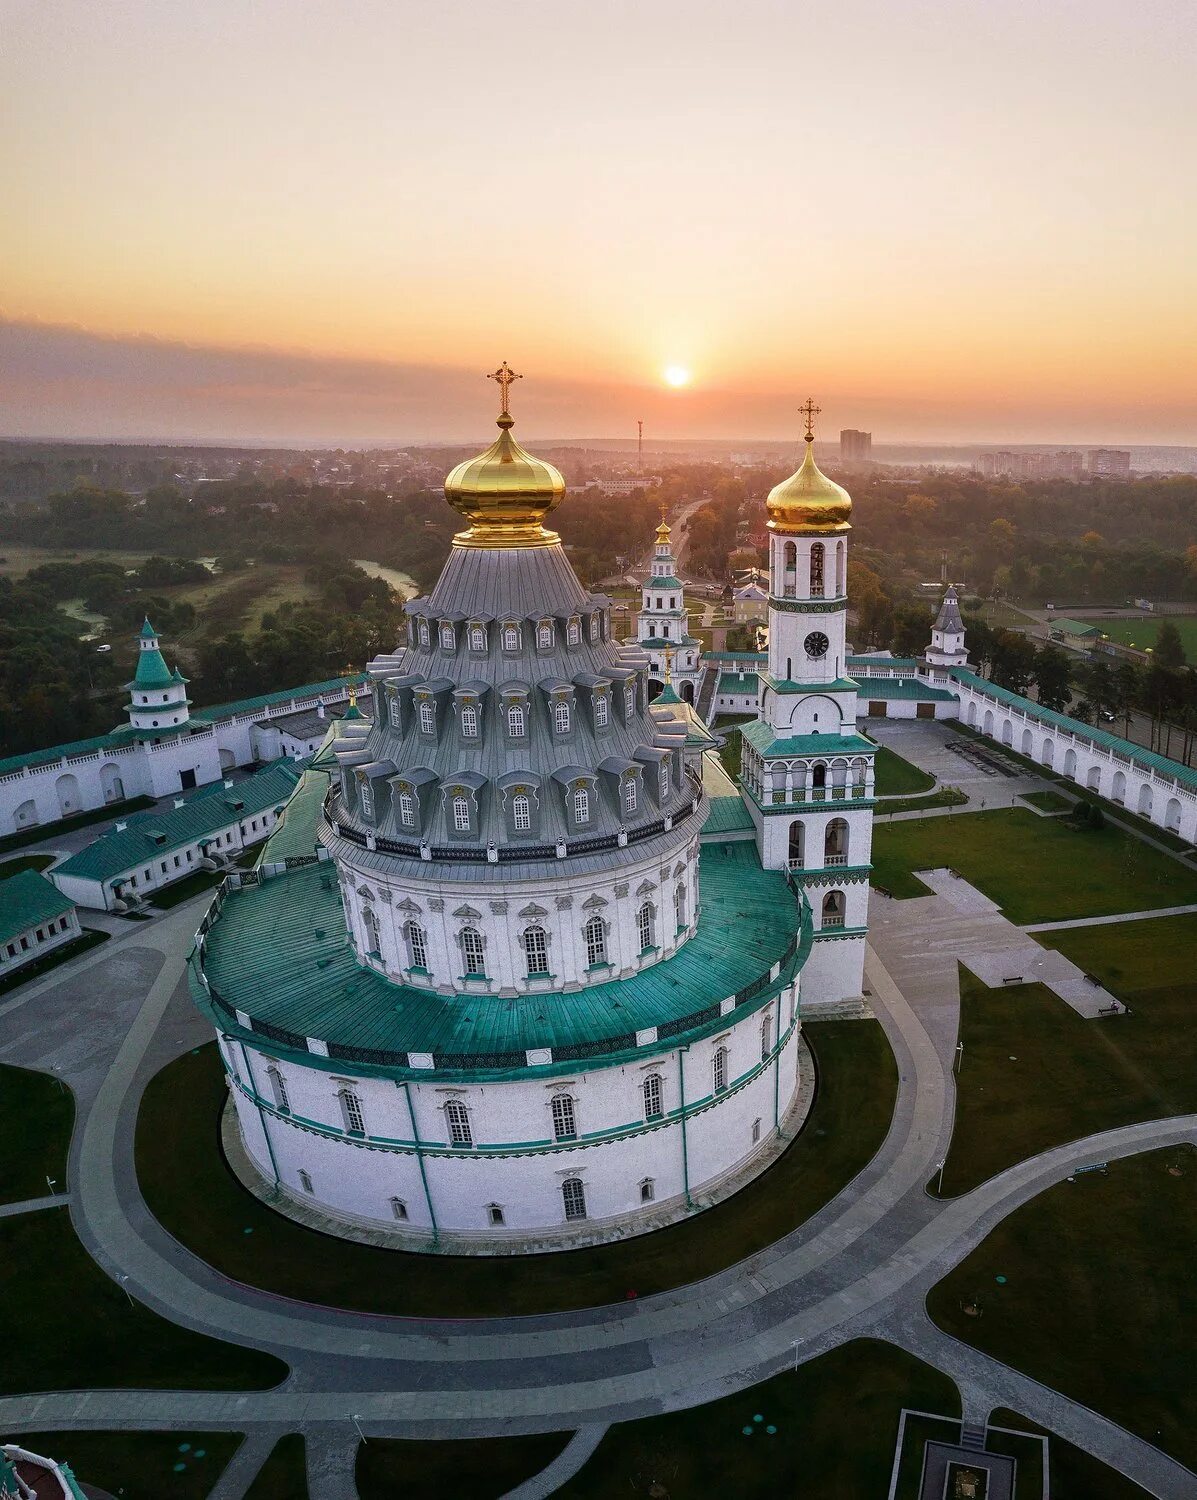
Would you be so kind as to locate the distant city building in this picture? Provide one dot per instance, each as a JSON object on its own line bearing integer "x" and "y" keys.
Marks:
{"x": 1005, "y": 463}
{"x": 855, "y": 447}
{"x": 1110, "y": 463}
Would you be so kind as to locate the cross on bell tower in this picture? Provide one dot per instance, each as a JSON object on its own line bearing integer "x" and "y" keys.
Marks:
{"x": 810, "y": 411}
{"x": 504, "y": 375}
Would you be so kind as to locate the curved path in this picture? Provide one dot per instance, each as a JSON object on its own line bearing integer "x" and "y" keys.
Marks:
{"x": 860, "y": 1265}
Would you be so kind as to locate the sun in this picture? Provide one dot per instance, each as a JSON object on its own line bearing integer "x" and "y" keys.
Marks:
{"x": 677, "y": 376}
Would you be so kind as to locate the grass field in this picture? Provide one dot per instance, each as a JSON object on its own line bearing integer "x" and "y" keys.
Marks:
{"x": 284, "y": 1475}
{"x": 1035, "y": 1074}
{"x": 828, "y": 1430}
{"x": 139, "y": 1465}
{"x": 11, "y": 867}
{"x": 480, "y": 1468}
{"x": 1144, "y": 632}
{"x": 77, "y": 1330}
{"x": 1048, "y": 802}
{"x": 1036, "y": 869}
{"x": 17, "y": 559}
{"x": 38, "y": 1111}
{"x": 1097, "y": 1300}
{"x": 896, "y": 777}
{"x": 191, "y": 1191}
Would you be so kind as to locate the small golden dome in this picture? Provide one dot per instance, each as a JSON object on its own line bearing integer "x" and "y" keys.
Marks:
{"x": 504, "y": 493}
{"x": 663, "y": 531}
{"x": 808, "y": 501}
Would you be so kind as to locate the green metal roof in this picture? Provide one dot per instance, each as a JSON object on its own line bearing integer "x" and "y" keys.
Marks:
{"x": 150, "y": 835}
{"x": 1185, "y": 775}
{"x": 1083, "y": 628}
{"x": 26, "y": 900}
{"x": 738, "y": 682}
{"x": 726, "y": 812}
{"x": 790, "y": 685}
{"x": 268, "y": 700}
{"x": 894, "y": 688}
{"x": 279, "y": 951}
{"x": 899, "y": 663}
{"x": 152, "y": 671}
{"x": 665, "y": 581}
{"x": 760, "y": 737}
{"x": 295, "y": 836}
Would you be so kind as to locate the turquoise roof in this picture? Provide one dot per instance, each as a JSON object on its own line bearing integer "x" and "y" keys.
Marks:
{"x": 150, "y": 835}
{"x": 760, "y": 737}
{"x": 891, "y": 689}
{"x": 295, "y": 836}
{"x": 738, "y": 682}
{"x": 726, "y": 812}
{"x": 26, "y": 900}
{"x": 152, "y": 671}
{"x": 789, "y": 685}
{"x": 147, "y": 632}
{"x": 899, "y": 663}
{"x": 665, "y": 581}
{"x": 1185, "y": 775}
{"x": 219, "y": 711}
{"x": 279, "y": 951}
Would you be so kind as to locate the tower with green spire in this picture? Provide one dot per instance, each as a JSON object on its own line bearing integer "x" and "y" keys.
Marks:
{"x": 157, "y": 695}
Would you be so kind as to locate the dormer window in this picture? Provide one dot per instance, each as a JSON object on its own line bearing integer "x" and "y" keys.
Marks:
{"x": 511, "y": 637}
{"x": 629, "y": 700}
{"x": 581, "y": 805}
{"x": 544, "y": 635}
{"x": 574, "y": 632}
{"x": 521, "y": 813}
{"x": 396, "y": 714}
{"x": 561, "y": 718}
{"x": 602, "y": 711}
{"x": 407, "y": 810}
{"x": 461, "y": 814}
{"x": 367, "y": 799}
{"x": 424, "y": 637}
{"x": 516, "y": 722}
{"x": 448, "y": 640}
{"x": 427, "y": 718}
{"x": 664, "y": 780}
{"x": 594, "y": 627}
{"x": 477, "y": 637}
{"x": 469, "y": 722}
{"x": 629, "y": 794}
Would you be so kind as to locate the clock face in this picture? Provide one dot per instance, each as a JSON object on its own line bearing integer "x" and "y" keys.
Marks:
{"x": 816, "y": 644}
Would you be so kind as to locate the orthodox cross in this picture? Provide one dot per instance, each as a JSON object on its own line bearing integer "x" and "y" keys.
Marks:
{"x": 504, "y": 375}
{"x": 352, "y": 686}
{"x": 810, "y": 411}
{"x": 668, "y": 665}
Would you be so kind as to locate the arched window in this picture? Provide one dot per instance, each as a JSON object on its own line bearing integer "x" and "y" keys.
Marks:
{"x": 461, "y": 814}
{"x": 574, "y": 634}
{"x": 469, "y": 722}
{"x": 424, "y": 633}
{"x": 515, "y": 721}
{"x": 279, "y": 1086}
{"x": 427, "y": 718}
{"x": 351, "y": 1107}
{"x": 818, "y": 555}
{"x": 644, "y": 926}
{"x": 473, "y": 952}
{"x": 447, "y": 640}
{"x": 647, "y": 1190}
{"x": 574, "y": 1197}
{"x": 790, "y": 557}
{"x": 565, "y": 1125}
{"x": 407, "y": 809}
{"x": 399, "y": 1208}
{"x": 366, "y": 798}
{"x": 601, "y": 712}
{"x": 719, "y": 1070}
{"x": 835, "y": 842}
{"x": 594, "y": 627}
{"x": 833, "y": 909}
{"x": 305, "y": 1181}
{"x": 396, "y": 714}
{"x": 457, "y": 1117}
{"x": 766, "y": 1036}
{"x": 679, "y": 906}
{"x": 663, "y": 783}
{"x": 561, "y": 718}
{"x": 494, "y": 1213}
{"x": 477, "y": 638}
{"x": 370, "y": 923}
{"x": 536, "y": 949}
{"x": 544, "y": 635}
{"x": 511, "y": 638}
{"x": 629, "y": 794}
{"x": 521, "y": 812}
{"x": 596, "y": 941}
{"x": 653, "y": 1109}
{"x": 797, "y": 832}
{"x": 629, "y": 700}
{"x": 819, "y": 777}
{"x": 417, "y": 946}
{"x": 581, "y": 805}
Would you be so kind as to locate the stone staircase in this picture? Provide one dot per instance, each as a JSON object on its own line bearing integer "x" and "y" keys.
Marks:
{"x": 706, "y": 693}
{"x": 972, "y": 1435}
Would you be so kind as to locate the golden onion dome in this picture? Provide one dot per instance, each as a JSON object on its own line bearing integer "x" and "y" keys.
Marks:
{"x": 504, "y": 493}
{"x": 663, "y": 531}
{"x": 808, "y": 501}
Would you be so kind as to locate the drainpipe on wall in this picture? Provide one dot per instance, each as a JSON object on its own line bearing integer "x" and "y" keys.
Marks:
{"x": 261, "y": 1114}
{"x": 681, "y": 1078}
{"x": 415, "y": 1135}
{"x": 776, "y": 1073}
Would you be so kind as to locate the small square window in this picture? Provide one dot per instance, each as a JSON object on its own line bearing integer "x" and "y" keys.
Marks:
{"x": 495, "y": 1214}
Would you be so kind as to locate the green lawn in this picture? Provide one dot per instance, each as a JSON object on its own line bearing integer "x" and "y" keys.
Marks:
{"x": 1144, "y": 633}
{"x": 77, "y": 1330}
{"x": 139, "y": 1465}
{"x": 183, "y": 890}
{"x": 92, "y": 938}
{"x": 284, "y": 1475}
{"x": 1035, "y": 1074}
{"x": 896, "y": 777}
{"x": 1037, "y": 869}
{"x": 47, "y": 831}
{"x": 38, "y": 1111}
{"x": 477, "y": 1468}
{"x": 1097, "y": 1300}
{"x": 834, "y": 1421}
{"x": 1073, "y": 1473}
{"x": 946, "y": 796}
{"x": 1048, "y": 802}
{"x": 192, "y": 1192}
{"x": 25, "y": 862}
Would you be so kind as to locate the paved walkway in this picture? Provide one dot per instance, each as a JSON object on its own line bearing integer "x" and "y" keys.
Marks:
{"x": 1123, "y": 916}
{"x": 32, "y": 1205}
{"x": 859, "y": 1264}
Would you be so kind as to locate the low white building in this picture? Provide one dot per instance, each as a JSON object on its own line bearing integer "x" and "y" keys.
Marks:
{"x": 35, "y": 918}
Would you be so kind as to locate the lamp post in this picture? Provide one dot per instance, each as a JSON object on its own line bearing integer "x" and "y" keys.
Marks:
{"x": 357, "y": 1423}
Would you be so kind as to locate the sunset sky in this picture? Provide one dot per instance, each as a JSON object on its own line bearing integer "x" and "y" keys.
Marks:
{"x": 323, "y": 220}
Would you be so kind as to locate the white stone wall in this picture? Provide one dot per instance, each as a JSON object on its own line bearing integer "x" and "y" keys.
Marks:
{"x": 561, "y": 905}
{"x": 356, "y": 1178}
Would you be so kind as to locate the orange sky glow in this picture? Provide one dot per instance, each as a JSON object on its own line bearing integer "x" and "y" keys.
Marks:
{"x": 300, "y": 220}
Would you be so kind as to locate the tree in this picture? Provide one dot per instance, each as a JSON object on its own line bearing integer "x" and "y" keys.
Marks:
{"x": 1169, "y": 648}
{"x": 912, "y": 629}
{"x": 1014, "y": 658}
{"x": 1053, "y": 678}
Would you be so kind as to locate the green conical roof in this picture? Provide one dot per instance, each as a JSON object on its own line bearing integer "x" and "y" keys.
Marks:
{"x": 148, "y": 633}
{"x": 667, "y": 695}
{"x": 152, "y": 671}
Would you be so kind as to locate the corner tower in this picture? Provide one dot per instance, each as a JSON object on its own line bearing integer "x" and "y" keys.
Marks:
{"x": 663, "y": 625}
{"x": 808, "y": 773}
{"x": 157, "y": 696}
{"x": 947, "y": 647}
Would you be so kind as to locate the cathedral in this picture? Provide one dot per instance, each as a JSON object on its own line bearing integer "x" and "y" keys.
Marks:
{"x": 537, "y": 981}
